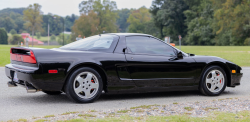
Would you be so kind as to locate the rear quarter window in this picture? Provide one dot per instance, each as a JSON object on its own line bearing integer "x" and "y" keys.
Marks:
{"x": 103, "y": 43}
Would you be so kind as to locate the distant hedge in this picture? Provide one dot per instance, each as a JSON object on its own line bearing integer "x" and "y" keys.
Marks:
{"x": 3, "y": 36}
{"x": 16, "y": 39}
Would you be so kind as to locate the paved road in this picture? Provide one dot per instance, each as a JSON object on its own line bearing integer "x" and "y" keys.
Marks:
{"x": 15, "y": 103}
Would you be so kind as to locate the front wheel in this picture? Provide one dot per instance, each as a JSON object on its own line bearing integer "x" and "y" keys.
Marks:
{"x": 214, "y": 81}
{"x": 84, "y": 85}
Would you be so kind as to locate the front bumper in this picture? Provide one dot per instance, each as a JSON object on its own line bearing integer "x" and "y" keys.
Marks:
{"x": 235, "y": 79}
{"x": 34, "y": 77}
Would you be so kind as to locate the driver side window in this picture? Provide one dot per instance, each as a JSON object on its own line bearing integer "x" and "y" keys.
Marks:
{"x": 148, "y": 45}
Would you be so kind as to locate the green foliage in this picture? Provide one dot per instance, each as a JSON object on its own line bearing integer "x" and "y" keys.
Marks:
{"x": 33, "y": 18}
{"x": 38, "y": 35}
{"x": 67, "y": 39}
{"x": 137, "y": 19}
{"x": 247, "y": 41}
{"x": 13, "y": 31}
{"x": 102, "y": 15}
{"x": 12, "y": 19}
{"x": 141, "y": 22}
{"x": 97, "y": 16}
{"x": 14, "y": 10}
{"x": 199, "y": 21}
{"x": 105, "y": 11}
{"x": 86, "y": 25}
{"x": 122, "y": 20}
{"x": 53, "y": 38}
{"x": 150, "y": 28}
{"x": 55, "y": 24}
{"x": 7, "y": 23}
{"x": 169, "y": 18}
{"x": 69, "y": 22}
{"x": 16, "y": 39}
{"x": 3, "y": 36}
{"x": 232, "y": 25}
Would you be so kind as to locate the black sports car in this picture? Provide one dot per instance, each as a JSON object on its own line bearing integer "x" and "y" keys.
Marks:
{"x": 118, "y": 63}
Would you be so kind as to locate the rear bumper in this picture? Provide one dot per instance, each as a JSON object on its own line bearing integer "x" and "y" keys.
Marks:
{"x": 35, "y": 77}
{"x": 24, "y": 74}
{"x": 235, "y": 79}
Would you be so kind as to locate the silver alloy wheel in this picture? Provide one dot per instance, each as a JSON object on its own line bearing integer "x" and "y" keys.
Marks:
{"x": 215, "y": 81}
{"x": 86, "y": 85}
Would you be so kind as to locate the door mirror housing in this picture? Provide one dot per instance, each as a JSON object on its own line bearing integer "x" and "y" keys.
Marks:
{"x": 179, "y": 55}
{"x": 191, "y": 54}
{"x": 124, "y": 50}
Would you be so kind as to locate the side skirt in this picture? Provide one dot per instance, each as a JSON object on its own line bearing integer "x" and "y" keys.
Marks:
{"x": 155, "y": 89}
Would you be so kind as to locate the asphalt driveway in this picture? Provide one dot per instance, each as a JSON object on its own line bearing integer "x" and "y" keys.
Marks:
{"x": 16, "y": 103}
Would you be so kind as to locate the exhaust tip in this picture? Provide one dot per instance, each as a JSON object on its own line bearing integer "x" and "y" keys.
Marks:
{"x": 31, "y": 89}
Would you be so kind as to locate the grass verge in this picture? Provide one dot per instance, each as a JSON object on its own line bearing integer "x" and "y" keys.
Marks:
{"x": 236, "y": 54}
{"x": 243, "y": 116}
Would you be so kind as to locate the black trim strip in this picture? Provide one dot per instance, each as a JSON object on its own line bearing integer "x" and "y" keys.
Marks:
{"x": 158, "y": 79}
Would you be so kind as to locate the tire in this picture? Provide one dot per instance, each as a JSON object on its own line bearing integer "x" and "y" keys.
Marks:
{"x": 213, "y": 81}
{"x": 53, "y": 92}
{"x": 84, "y": 85}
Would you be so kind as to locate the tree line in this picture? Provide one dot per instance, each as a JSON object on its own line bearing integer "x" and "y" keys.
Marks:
{"x": 199, "y": 22}
{"x": 13, "y": 18}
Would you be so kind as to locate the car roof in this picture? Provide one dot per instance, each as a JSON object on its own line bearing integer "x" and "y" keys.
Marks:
{"x": 129, "y": 34}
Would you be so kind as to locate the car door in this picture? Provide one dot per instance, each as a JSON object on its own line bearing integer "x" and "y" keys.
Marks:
{"x": 153, "y": 66}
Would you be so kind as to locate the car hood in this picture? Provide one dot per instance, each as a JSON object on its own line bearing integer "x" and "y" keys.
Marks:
{"x": 209, "y": 59}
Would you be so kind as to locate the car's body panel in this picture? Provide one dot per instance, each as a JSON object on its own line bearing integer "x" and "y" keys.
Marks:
{"x": 121, "y": 71}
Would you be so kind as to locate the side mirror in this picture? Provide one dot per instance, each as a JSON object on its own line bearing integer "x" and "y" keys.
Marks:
{"x": 124, "y": 50}
{"x": 179, "y": 55}
{"x": 191, "y": 54}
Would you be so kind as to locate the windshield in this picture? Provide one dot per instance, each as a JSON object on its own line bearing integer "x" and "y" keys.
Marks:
{"x": 98, "y": 42}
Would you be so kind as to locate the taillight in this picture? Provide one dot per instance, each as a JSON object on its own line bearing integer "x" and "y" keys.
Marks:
{"x": 21, "y": 55}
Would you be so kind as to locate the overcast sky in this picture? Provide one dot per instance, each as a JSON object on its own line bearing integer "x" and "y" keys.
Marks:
{"x": 68, "y": 7}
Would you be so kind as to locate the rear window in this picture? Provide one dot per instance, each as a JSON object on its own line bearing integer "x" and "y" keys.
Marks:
{"x": 104, "y": 43}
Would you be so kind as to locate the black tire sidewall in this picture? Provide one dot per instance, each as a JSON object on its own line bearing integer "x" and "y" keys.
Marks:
{"x": 70, "y": 90}
{"x": 203, "y": 86}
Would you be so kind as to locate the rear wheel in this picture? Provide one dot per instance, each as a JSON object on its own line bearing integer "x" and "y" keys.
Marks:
{"x": 84, "y": 85}
{"x": 214, "y": 81}
{"x": 53, "y": 92}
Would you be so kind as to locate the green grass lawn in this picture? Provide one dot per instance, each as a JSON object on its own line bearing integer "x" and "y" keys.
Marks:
{"x": 237, "y": 54}
{"x": 242, "y": 116}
